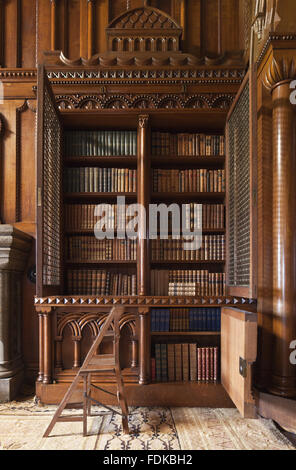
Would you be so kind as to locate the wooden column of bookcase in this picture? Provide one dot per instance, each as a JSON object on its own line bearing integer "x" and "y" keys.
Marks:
{"x": 143, "y": 261}
{"x": 144, "y": 182}
{"x": 284, "y": 237}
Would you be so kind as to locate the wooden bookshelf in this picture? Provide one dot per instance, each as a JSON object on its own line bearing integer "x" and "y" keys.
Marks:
{"x": 69, "y": 317}
{"x": 98, "y": 196}
{"x": 183, "y": 197}
{"x": 185, "y": 333}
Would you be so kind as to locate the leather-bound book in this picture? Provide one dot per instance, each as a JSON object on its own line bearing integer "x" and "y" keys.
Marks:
{"x": 171, "y": 363}
{"x": 185, "y": 362}
{"x": 193, "y": 362}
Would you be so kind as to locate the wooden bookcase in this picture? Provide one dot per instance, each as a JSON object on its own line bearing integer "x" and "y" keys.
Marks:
{"x": 70, "y": 317}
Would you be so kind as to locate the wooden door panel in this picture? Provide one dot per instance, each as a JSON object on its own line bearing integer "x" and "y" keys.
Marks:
{"x": 238, "y": 353}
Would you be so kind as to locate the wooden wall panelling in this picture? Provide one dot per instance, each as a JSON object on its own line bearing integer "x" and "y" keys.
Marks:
{"x": 210, "y": 31}
{"x": 10, "y": 202}
{"x": 101, "y": 21}
{"x": 1, "y": 33}
{"x": 27, "y": 33}
{"x": 26, "y": 161}
{"x": 12, "y": 40}
{"x": 53, "y": 25}
{"x": 43, "y": 32}
{"x": 81, "y": 13}
{"x": 195, "y": 27}
{"x": 230, "y": 27}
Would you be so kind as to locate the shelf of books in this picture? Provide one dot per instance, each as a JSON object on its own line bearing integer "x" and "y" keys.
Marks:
{"x": 99, "y": 166}
{"x": 188, "y": 168}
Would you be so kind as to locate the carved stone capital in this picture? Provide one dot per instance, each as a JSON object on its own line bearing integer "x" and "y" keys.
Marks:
{"x": 14, "y": 247}
{"x": 280, "y": 70}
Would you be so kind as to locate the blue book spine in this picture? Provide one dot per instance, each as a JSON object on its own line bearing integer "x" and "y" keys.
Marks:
{"x": 168, "y": 320}
{"x": 152, "y": 320}
{"x": 199, "y": 319}
{"x": 204, "y": 320}
{"x": 157, "y": 325}
{"x": 219, "y": 319}
{"x": 215, "y": 319}
{"x": 209, "y": 319}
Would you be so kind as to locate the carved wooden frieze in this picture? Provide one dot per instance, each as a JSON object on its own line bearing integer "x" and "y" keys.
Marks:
{"x": 84, "y": 76}
{"x": 149, "y": 101}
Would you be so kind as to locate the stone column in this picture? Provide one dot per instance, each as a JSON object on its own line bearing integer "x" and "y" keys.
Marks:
{"x": 14, "y": 250}
{"x": 279, "y": 77}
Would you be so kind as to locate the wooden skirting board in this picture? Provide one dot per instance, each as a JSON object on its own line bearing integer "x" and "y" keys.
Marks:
{"x": 281, "y": 410}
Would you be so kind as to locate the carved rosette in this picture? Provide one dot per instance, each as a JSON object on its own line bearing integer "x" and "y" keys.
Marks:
{"x": 280, "y": 70}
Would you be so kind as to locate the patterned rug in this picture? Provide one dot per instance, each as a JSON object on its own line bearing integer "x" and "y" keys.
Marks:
{"x": 23, "y": 422}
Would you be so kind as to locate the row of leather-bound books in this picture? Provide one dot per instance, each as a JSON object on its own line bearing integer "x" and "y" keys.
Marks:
{"x": 187, "y": 144}
{"x": 185, "y": 362}
{"x": 96, "y": 180}
{"x": 100, "y": 282}
{"x": 88, "y": 248}
{"x": 100, "y": 143}
{"x": 185, "y": 319}
{"x": 212, "y": 249}
{"x": 190, "y": 180}
{"x": 82, "y": 216}
{"x": 187, "y": 282}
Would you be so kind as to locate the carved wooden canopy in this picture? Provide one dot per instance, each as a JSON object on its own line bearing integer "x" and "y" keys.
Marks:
{"x": 144, "y": 29}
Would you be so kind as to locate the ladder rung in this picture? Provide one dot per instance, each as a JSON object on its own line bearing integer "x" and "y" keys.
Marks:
{"x": 109, "y": 334}
{"x": 74, "y": 405}
{"x": 102, "y": 362}
{"x": 97, "y": 371}
{"x": 70, "y": 418}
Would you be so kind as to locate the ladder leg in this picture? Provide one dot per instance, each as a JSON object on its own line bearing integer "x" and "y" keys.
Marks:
{"x": 89, "y": 394}
{"x": 122, "y": 400}
{"x": 62, "y": 406}
{"x": 85, "y": 404}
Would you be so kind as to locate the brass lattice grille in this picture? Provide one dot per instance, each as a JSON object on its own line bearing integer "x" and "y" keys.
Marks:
{"x": 51, "y": 194}
{"x": 239, "y": 192}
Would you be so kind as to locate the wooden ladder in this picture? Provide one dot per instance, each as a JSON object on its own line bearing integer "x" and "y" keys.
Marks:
{"x": 95, "y": 363}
